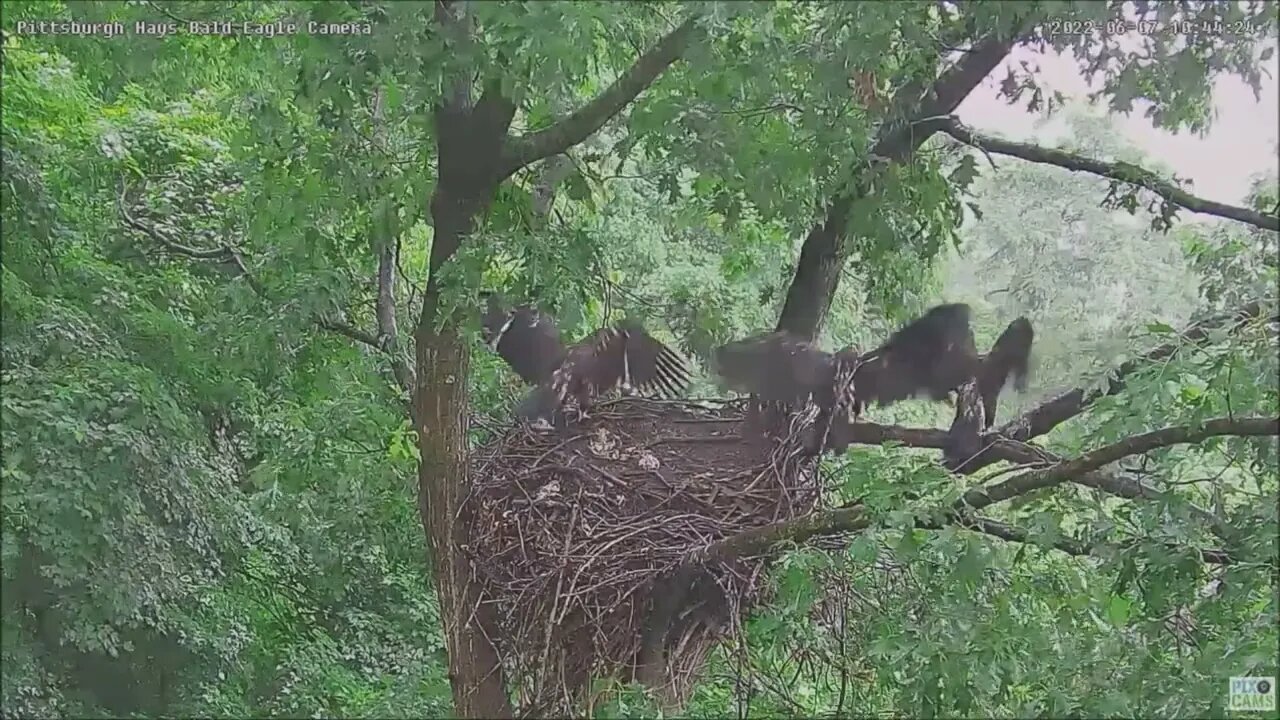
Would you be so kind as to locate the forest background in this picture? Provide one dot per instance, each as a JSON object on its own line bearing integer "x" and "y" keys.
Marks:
{"x": 239, "y": 276}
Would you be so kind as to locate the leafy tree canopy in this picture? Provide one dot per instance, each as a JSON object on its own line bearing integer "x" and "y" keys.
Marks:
{"x": 241, "y": 373}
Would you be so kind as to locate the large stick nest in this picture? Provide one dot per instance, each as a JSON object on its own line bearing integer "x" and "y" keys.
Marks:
{"x": 581, "y": 538}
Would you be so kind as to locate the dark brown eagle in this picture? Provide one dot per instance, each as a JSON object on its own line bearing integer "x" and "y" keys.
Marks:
{"x": 623, "y": 356}
{"x": 1010, "y": 356}
{"x": 931, "y": 356}
{"x": 935, "y": 354}
{"x": 783, "y": 369}
{"x": 525, "y": 338}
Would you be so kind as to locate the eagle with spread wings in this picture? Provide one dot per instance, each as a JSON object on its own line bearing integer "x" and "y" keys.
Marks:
{"x": 935, "y": 354}
{"x": 931, "y": 356}
{"x": 624, "y": 356}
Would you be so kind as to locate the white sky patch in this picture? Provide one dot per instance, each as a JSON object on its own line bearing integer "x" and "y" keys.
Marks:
{"x": 1241, "y": 141}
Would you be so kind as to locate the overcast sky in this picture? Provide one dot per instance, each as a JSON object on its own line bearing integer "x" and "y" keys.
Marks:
{"x": 1241, "y": 142}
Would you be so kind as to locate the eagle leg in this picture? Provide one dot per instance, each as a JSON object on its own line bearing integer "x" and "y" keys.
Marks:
{"x": 582, "y": 403}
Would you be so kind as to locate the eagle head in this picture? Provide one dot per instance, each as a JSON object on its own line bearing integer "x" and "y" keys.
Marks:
{"x": 495, "y": 318}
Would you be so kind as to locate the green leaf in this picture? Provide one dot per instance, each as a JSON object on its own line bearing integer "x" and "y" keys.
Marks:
{"x": 1118, "y": 608}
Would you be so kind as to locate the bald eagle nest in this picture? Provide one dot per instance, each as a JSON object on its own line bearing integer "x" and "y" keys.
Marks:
{"x": 582, "y": 538}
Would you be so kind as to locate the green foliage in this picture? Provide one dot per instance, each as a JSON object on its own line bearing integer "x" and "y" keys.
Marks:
{"x": 209, "y": 503}
{"x": 1084, "y": 276}
{"x": 203, "y": 514}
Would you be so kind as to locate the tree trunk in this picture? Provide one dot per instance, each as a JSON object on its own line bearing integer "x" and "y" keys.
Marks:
{"x": 441, "y": 417}
{"x": 479, "y": 689}
{"x": 817, "y": 275}
{"x": 470, "y": 139}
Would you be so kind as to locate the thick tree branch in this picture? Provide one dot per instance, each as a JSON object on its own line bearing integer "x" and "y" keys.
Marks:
{"x": 1119, "y": 171}
{"x": 1032, "y": 480}
{"x": 1023, "y": 454}
{"x": 591, "y": 117}
{"x": 1054, "y": 412}
{"x": 824, "y": 252}
{"x": 469, "y": 145}
{"x": 855, "y": 519}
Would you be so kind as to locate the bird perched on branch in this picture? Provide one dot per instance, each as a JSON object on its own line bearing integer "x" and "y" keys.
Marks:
{"x": 932, "y": 356}
{"x": 624, "y": 356}
{"x": 935, "y": 354}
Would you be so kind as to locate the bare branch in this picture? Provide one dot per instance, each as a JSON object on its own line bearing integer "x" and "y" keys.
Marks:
{"x": 1027, "y": 455}
{"x": 591, "y": 117}
{"x": 1024, "y": 456}
{"x": 854, "y": 519}
{"x": 223, "y": 253}
{"x": 388, "y": 339}
{"x": 386, "y": 231}
{"x": 349, "y": 331}
{"x": 1119, "y": 171}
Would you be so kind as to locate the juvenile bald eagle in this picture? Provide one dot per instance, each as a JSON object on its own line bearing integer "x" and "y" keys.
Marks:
{"x": 935, "y": 354}
{"x": 624, "y": 357}
{"x": 783, "y": 369}
{"x": 930, "y": 356}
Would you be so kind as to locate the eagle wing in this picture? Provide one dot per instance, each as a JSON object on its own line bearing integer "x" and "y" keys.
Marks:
{"x": 649, "y": 366}
{"x": 932, "y": 355}
{"x": 623, "y": 356}
{"x": 775, "y": 367}
{"x": 1009, "y": 356}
